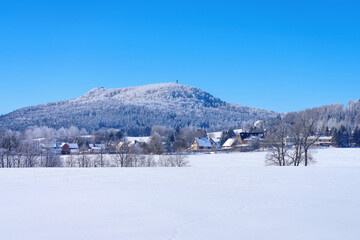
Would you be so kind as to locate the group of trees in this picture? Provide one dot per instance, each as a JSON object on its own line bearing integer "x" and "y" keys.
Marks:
{"x": 165, "y": 139}
{"x": 16, "y": 151}
{"x": 291, "y": 139}
{"x": 137, "y": 160}
{"x": 292, "y": 136}
{"x": 34, "y": 147}
{"x": 124, "y": 159}
{"x": 345, "y": 137}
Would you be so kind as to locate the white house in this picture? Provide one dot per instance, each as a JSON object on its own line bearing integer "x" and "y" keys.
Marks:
{"x": 97, "y": 148}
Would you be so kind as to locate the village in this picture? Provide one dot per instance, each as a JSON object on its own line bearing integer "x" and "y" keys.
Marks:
{"x": 240, "y": 141}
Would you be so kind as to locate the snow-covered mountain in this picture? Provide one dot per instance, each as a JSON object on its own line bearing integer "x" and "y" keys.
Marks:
{"x": 167, "y": 104}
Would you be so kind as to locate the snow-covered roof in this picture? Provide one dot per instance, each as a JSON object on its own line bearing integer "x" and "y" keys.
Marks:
{"x": 203, "y": 142}
{"x": 100, "y": 145}
{"x": 322, "y": 142}
{"x": 320, "y": 138}
{"x": 121, "y": 144}
{"x": 133, "y": 143}
{"x": 230, "y": 142}
{"x": 73, "y": 146}
{"x": 325, "y": 138}
{"x": 139, "y": 139}
{"x": 48, "y": 145}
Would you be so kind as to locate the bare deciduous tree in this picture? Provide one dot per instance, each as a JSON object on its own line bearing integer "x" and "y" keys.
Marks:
{"x": 308, "y": 122}
{"x": 279, "y": 148}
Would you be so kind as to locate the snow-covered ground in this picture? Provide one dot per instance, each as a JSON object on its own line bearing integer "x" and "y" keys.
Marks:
{"x": 221, "y": 196}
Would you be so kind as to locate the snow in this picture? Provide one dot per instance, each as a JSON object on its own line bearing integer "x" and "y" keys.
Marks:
{"x": 221, "y": 196}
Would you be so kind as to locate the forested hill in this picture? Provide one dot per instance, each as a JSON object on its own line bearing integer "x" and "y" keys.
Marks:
{"x": 166, "y": 104}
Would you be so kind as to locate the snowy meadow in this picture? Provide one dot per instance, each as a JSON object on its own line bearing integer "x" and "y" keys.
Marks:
{"x": 219, "y": 196}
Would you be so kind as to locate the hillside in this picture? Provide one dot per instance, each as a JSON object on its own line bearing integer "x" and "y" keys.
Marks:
{"x": 167, "y": 104}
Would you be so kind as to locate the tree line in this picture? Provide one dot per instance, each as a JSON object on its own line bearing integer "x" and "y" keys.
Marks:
{"x": 291, "y": 138}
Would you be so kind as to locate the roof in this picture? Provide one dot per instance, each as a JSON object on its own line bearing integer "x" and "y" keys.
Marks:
{"x": 63, "y": 144}
{"x": 133, "y": 143}
{"x": 139, "y": 139}
{"x": 203, "y": 142}
{"x": 121, "y": 144}
{"x": 320, "y": 138}
{"x": 48, "y": 145}
{"x": 73, "y": 145}
{"x": 230, "y": 142}
{"x": 100, "y": 145}
{"x": 325, "y": 138}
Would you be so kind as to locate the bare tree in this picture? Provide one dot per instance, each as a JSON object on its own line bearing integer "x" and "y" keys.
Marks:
{"x": 304, "y": 134}
{"x": 2, "y": 157}
{"x": 279, "y": 148}
{"x": 31, "y": 152}
{"x": 147, "y": 161}
{"x": 297, "y": 153}
{"x": 70, "y": 161}
{"x": 180, "y": 161}
{"x": 164, "y": 161}
{"x": 308, "y": 122}
{"x": 83, "y": 159}
{"x": 123, "y": 157}
{"x": 9, "y": 142}
{"x": 50, "y": 158}
{"x": 173, "y": 161}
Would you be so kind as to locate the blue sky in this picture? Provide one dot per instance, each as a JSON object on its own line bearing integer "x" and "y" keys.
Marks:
{"x": 278, "y": 55}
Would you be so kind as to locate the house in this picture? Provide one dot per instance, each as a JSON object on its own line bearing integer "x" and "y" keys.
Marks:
{"x": 322, "y": 141}
{"x": 135, "y": 147}
{"x": 236, "y": 143}
{"x": 201, "y": 144}
{"x": 47, "y": 146}
{"x": 74, "y": 148}
{"x": 249, "y": 136}
{"x": 231, "y": 143}
{"x": 130, "y": 147}
{"x": 67, "y": 148}
{"x": 97, "y": 148}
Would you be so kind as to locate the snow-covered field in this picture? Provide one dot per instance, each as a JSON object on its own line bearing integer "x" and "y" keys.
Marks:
{"x": 221, "y": 196}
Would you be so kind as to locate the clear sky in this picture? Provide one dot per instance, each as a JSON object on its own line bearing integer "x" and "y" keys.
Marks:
{"x": 278, "y": 55}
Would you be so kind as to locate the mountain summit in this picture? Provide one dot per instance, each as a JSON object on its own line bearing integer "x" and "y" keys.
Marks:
{"x": 166, "y": 104}
{"x": 165, "y": 93}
